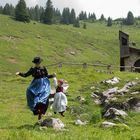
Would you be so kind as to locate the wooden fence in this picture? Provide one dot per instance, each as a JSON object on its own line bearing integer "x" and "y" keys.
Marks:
{"x": 107, "y": 67}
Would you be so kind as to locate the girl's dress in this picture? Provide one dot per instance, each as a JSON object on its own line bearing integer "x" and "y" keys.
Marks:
{"x": 39, "y": 90}
{"x": 60, "y": 99}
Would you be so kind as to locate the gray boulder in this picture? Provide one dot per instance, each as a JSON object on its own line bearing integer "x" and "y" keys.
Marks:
{"x": 107, "y": 124}
{"x": 110, "y": 92}
{"x": 79, "y": 122}
{"x": 134, "y": 93}
{"x": 126, "y": 87}
{"x": 112, "y": 81}
{"x": 134, "y": 104}
{"x": 80, "y": 99}
{"x": 137, "y": 107}
{"x": 54, "y": 123}
{"x": 112, "y": 113}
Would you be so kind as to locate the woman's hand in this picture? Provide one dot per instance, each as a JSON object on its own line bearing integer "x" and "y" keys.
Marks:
{"x": 17, "y": 73}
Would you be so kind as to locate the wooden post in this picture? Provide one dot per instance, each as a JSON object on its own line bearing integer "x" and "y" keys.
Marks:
{"x": 109, "y": 69}
{"x": 60, "y": 66}
{"x": 84, "y": 65}
{"x": 132, "y": 68}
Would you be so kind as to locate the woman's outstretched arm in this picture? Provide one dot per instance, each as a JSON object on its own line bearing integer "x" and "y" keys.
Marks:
{"x": 28, "y": 73}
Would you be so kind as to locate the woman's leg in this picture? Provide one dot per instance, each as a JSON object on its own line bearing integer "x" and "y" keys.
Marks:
{"x": 39, "y": 115}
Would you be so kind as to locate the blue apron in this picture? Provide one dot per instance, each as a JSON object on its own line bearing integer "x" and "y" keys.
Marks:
{"x": 38, "y": 92}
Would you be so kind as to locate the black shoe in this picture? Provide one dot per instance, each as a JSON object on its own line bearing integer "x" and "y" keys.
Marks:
{"x": 62, "y": 114}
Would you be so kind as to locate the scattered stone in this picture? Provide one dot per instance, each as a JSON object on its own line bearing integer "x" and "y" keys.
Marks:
{"x": 127, "y": 86}
{"x": 97, "y": 102}
{"x": 54, "y": 123}
{"x": 134, "y": 93}
{"x": 110, "y": 124}
{"x": 94, "y": 95}
{"x": 110, "y": 92}
{"x": 72, "y": 53}
{"x": 49, "y": 114}
{"x": 42, "y": 128}
{"x": 134, "y": 104}
{"x": 79, "y": 122}
{"x": 92, "y": 87}
{"x": 80, "y": 99}
{"x": 38, "y": 36}
{"x": 113, "y": 99}
{"x": 137, "y": 107}
{"x": 112, "y": 113}
{"x": 112, "y": 81}
{"x": 107, "y": 124}
{"x": 133, "y": 101}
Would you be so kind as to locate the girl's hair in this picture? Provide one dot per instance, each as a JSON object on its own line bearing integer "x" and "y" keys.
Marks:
{"x": 61, "y": 81}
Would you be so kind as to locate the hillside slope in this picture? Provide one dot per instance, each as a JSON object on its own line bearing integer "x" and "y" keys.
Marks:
{"x": 20, "y": 42}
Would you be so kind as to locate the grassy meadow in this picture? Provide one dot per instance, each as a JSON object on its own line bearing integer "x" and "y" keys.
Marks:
{"x": 20, "y": 42}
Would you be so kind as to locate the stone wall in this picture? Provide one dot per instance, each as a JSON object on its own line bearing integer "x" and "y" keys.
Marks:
{"x": 130, "y": 61}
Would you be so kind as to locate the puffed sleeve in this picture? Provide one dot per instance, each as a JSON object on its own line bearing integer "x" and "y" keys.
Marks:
{"x": 28, "y": 73}
{"x": 55, "y": 82}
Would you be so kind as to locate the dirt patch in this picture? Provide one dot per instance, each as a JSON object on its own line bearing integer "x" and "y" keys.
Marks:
{"x": 12, "y": 60}
{"x": 10, "y": 38}
{"x": 71, "y": 51}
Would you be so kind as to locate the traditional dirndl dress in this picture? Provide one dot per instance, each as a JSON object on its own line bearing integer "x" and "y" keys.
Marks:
{"x": 37, "y": 95}
{"x": 60, "y": 102}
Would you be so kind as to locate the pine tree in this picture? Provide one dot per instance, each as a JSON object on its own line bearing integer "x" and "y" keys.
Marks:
{"x": 1, "y": 9}
{"x": 92, "y": 17}
{"x": 31, "y": 12}
{"x": 57, "y": 15}
{"x": 41, "y": 12}
{"x": 76, "y": 23}
{"x": 65, "y": 16}
{"x": 48, "y": 14}
{"x": 84, "y": 26}
{"x": 83, "y": 15}
{"x": 37, "y": 14}
{"x": 130, "y": 20}
{"x": 21, "y": 13}
{"x": 72, "y": 16}
{"x": 89, "y": 15}
{"x": 102, "y": 18}
{"x": 12, "y": 10}
{"x": 109, "y": 22}
{"x": 6, "y": 9}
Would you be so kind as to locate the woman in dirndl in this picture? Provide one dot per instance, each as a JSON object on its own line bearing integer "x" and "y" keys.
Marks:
{"x": 39, "y": 90}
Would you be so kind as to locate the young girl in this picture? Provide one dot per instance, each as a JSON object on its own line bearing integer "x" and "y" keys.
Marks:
{"x": 60, "y": 99}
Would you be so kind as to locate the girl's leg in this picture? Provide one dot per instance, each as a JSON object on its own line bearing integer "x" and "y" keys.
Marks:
{"x": 62, "y": 113}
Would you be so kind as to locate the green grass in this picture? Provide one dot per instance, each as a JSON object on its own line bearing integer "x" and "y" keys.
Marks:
{"x": 97, "y": 43}
{"x": 17, "y": 121}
